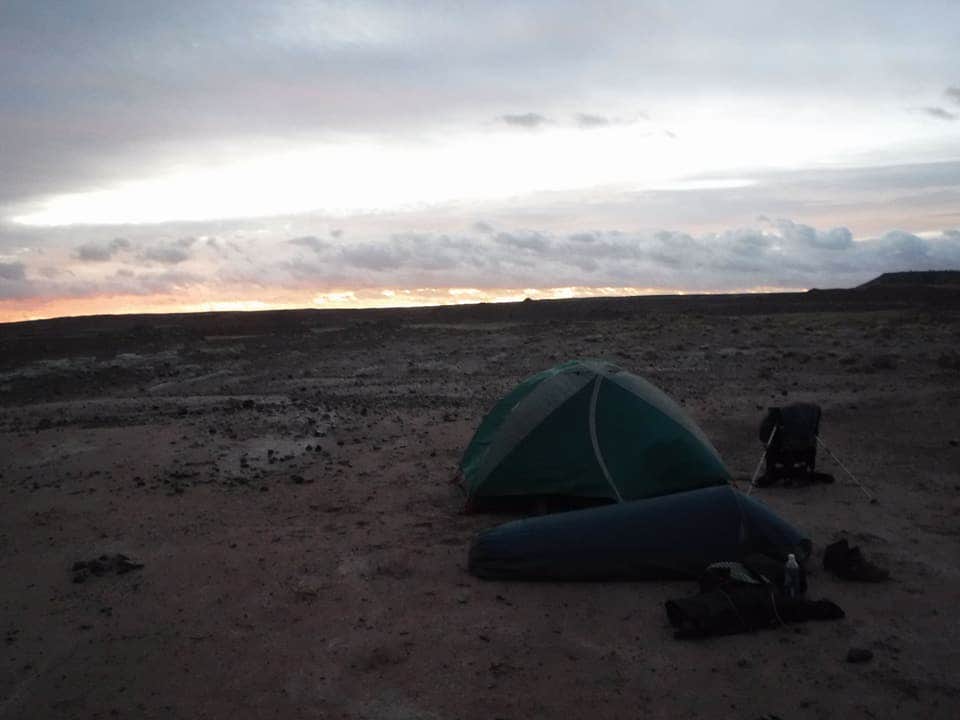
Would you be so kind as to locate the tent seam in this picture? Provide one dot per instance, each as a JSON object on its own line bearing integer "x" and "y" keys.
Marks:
{"x": 595, "y": 441}
{"x": 486, "y": 465}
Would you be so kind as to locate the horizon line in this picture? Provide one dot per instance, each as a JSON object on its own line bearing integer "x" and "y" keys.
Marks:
{"x": 493, "y": 296}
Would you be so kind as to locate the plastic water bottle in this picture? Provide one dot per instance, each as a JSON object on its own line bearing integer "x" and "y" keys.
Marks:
{"x": 791, "y": 577}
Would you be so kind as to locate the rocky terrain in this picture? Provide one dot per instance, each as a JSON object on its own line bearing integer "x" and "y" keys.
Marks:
{"x": 285, "y": 479}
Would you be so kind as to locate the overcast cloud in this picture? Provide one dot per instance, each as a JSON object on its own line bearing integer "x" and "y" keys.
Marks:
{"x": 771, "y": 252}
{"x": 151, "y": 148}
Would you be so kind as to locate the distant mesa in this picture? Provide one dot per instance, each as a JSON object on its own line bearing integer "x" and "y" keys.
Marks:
{"x": 908, "y": 281}
{"x": 915, "y": 278}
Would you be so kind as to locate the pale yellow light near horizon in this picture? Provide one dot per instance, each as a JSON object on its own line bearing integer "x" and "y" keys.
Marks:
{"x": 194, "y": 301}
{"x": 352, "y": 175}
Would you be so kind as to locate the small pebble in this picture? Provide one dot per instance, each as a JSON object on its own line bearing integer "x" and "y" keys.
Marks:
{"x": 859, "y": 655}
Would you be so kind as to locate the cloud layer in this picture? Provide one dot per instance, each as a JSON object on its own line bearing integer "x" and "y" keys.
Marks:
{"x": 98, "y": 92}
{"x": 808, "y": 228}
{"x": 251, "y": 150}
{"x": 771, "y": 253}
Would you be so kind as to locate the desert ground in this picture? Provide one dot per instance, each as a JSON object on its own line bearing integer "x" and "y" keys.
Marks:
{"x": 285, "y": 478}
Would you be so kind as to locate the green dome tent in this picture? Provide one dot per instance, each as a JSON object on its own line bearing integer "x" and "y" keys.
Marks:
{"x": 587, "y": 429}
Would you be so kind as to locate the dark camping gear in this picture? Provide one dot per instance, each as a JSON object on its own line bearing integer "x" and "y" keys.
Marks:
{"x": 754, "y": 565}
{"x": 849, "y": 563}
{"x": 740, "y": 596}
{"x": 789, "y": 435}
{"x": 672, "y": 536}
{"x": 741, "y": 607}
{"x": 587, "y": 430}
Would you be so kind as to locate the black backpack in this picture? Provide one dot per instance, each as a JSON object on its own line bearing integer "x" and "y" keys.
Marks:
{"x": 790, "y": 436}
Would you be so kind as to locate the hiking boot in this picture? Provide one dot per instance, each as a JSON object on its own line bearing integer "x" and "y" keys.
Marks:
{"x": 850, "y": 564}
{"x": 859, "y": 568}
{"x": 835, "y": 556}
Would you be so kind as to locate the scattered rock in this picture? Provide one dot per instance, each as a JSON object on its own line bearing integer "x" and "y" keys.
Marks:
{"x": 859, "y": 655}
{"x": 949, "y": 361}
{"x": 104, "y": 565}
{"x": 884, "y": 362}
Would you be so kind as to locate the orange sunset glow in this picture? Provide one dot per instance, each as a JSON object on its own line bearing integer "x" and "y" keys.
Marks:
{"x": 196, "y": 301}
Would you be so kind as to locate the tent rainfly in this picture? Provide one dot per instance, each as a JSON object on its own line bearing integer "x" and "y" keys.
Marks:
{"x": 588, "y": 429}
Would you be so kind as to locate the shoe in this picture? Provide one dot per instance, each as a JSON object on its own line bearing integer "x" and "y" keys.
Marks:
{"x": 850, "y": 564}
{"x": 859, "y": 568}
{"x": 835, "y": 556}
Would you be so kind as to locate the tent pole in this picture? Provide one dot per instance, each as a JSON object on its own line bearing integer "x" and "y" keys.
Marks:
{"x": 596, "y": 443}
{"x": 756, "y": 473}
{"x": 844, "y": 468}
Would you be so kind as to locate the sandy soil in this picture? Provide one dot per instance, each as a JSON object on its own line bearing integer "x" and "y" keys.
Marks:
{"x": 285, "y": 478}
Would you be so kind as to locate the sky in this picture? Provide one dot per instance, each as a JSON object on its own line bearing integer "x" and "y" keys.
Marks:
{"x": 196, "y": 155}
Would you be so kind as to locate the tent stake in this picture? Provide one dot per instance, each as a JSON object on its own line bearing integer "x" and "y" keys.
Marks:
{"x": 756, "y": 473}
{"x": 844, "y": 468}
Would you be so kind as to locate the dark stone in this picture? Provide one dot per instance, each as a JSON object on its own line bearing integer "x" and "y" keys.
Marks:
{"x": 105, "y": 564}
{"x": 859, "y": 655}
